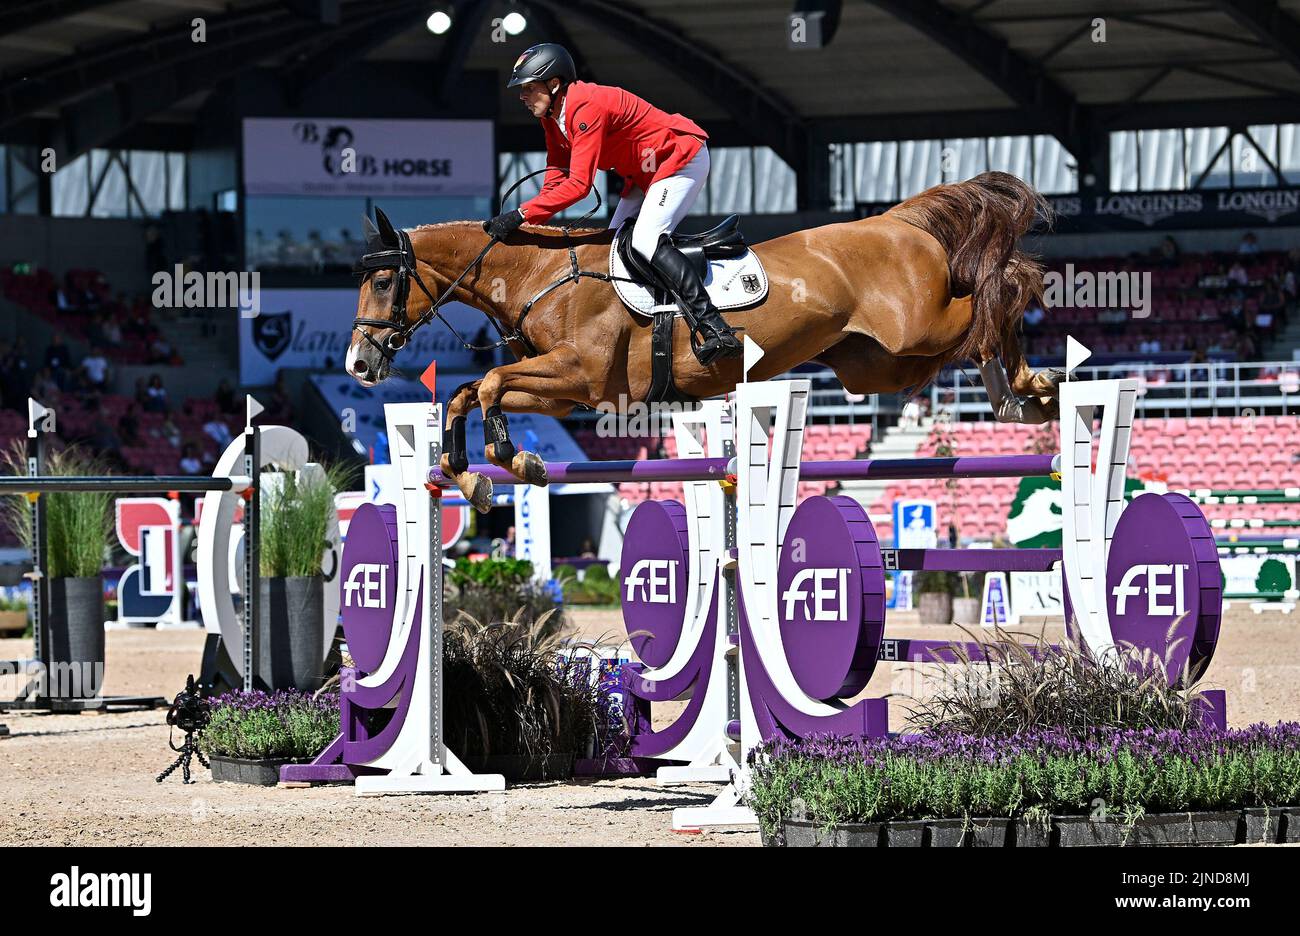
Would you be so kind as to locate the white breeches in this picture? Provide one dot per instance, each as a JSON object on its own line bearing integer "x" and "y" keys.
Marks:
{"x": 661, "y": 209}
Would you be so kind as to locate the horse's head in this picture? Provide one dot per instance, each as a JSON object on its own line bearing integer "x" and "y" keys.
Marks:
{"x": 387, "y": 307}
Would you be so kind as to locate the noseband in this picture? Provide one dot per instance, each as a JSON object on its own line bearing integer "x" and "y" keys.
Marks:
{"x": 402, "y": 259}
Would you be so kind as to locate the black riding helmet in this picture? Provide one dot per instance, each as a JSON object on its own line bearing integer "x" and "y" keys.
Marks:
{"x": 542, "y": 62}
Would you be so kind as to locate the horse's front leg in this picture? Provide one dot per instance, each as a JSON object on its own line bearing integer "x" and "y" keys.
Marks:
{"x": 474, "y": 486}
{"x": 549, "y": 384}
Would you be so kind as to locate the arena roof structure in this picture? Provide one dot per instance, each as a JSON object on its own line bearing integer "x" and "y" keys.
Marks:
{"x": 82, "y": 73}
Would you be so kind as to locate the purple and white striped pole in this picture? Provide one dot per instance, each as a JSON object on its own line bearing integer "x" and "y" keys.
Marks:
{"x": 716, "y": 469}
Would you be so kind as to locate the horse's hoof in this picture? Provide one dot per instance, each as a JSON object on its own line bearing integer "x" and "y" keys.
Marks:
{"x": 530, "y": 467}
{"x": 477, "y": 489}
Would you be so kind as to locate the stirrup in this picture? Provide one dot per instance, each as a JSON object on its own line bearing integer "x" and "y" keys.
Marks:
{"x": 719, "y": 342}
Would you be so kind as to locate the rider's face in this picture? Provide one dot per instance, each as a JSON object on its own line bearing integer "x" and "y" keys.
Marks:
{"x": 536, "y": 98}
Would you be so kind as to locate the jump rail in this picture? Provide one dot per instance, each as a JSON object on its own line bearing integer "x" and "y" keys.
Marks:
{"x": 717, "y": 469}
{"x": 113, "y": 484}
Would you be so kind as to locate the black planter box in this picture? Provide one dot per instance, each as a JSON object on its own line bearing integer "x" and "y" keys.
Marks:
{"x": 76, "y": 640}
{"x": 523, "y": 768}
{"x": 1291, "y": 825}
{"x": 239, "y": 770}
{"x": 1186, "y": 829}
{"x": 905, "y": 834}
{"x": 1028, "y": 833}
{"x": 799, "y": 833}
{"x": 1218, "y": 828}
{"x": 988, "y": 833}
{"x": 947, "y": 833}
{"x": 291, "y": 645}
{"x": 1260, "y": 826}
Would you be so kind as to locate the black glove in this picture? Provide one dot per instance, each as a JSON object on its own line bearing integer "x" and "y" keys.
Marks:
{"x": 502, "y": 225}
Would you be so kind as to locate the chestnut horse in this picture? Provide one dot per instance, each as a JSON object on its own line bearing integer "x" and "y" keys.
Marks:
{"x": 886, "y": 302}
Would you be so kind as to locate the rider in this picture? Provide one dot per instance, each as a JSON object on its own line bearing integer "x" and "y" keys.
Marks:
{"x": 662, "y": 157}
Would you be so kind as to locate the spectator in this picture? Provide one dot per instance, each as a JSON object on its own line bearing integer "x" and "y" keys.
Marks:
{"x": 128, "y": 427}
{"x": 96, "y": 367}
{"x": 1237, "y": 274}
{"x": 1169, "y": 252}
{"x": 112, "y": 332}
{"x": 1034, "y": 314}
{"x": 155, "y": 396}
{"x": 45, "y": 388}
{"x": 15, "y": 376}
{"x": 225, "y": 397}
{"x": 190, "y": 462}
{"x": 281, "y": 407}
{"x": 1272, "y": 308}
{"x": 911, "y": 415}
{"x": 588, "y": 549}
{"x": 1249, "y": 244}
{"x": 160, "y": 349}
{"x": 169, "y": 431}
{"x": 218, "y": 432}
{"x": 58, "y": 360}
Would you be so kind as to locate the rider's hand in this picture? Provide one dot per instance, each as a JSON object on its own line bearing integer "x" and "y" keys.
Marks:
{"x": 503, "y": 224}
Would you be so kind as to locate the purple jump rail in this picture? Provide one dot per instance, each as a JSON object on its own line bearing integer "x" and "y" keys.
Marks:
{"x": 971, "y": 560}
{"x": 716, "y": 469}
{"x": 900, "y": 650}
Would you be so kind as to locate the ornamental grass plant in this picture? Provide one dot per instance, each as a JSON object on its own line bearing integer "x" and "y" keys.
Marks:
{"x": 296, "y": 512}
{"x": 78, "y": 524}
{"x": 512, "y": 688}
{"x": 1019, "y": 688}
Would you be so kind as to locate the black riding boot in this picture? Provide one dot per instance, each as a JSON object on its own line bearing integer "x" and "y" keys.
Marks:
{"x": 711, "y": 337}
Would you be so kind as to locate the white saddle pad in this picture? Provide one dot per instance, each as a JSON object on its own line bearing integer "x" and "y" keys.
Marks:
{"x": 732, "y": 283}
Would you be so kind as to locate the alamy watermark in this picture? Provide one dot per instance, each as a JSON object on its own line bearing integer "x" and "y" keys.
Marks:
{"x": 68, "y": 680}
{"x": 176, "y": 289}
{"x": 637, "y": 420}
{"x": 1086, "y": 289}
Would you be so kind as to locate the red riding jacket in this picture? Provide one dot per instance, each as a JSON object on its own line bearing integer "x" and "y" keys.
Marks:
{"x": 612, "y": 129}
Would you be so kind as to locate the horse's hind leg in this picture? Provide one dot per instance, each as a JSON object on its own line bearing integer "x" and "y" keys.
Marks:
{"x": 1028, "y": 406}
{"x": 549, "y": 384}
{"x": 474, "y": 486}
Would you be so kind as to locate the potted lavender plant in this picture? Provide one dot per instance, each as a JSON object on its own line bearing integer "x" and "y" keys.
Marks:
{"x": 251, "y": 735}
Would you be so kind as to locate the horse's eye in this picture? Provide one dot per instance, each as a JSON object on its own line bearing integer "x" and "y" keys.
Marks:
{"x": 383, "y": 283}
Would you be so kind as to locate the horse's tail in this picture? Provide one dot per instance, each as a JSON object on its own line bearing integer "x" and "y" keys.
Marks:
{"x": 980, "y": 222}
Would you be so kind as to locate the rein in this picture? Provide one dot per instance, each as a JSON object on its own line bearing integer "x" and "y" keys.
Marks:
{"x": 403, "y": 260}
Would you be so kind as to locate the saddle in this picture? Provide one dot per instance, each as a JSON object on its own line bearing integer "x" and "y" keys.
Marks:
{"x": 719, "y": 243}
{"x": 731, "y": 272}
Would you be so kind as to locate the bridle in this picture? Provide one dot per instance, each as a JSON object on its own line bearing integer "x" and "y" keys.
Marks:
{"x": 402, "y": 259}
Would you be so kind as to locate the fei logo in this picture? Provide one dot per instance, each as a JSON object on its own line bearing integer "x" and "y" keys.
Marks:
{"x": 369, "y": 579}
{"x": 828, "y": 585}
{"x": 1155, "y": 580}
{"x": 656, "y": 579}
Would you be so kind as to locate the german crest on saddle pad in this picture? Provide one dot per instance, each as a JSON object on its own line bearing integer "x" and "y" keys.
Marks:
{"x": 733, "y": 275}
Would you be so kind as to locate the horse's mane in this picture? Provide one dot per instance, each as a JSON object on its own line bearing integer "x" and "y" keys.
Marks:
{"x": 537, "y": 235}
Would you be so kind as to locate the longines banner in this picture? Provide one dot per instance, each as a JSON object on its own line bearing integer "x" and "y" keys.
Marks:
{"x": 325, "y": 156}
{"x": 312, "y": 328}
{"x": 1138, "y": 211}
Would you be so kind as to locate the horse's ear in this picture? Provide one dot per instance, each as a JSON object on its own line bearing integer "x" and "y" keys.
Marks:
{"x": 371, "y": 233}
{"x": 387, "y": 233}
